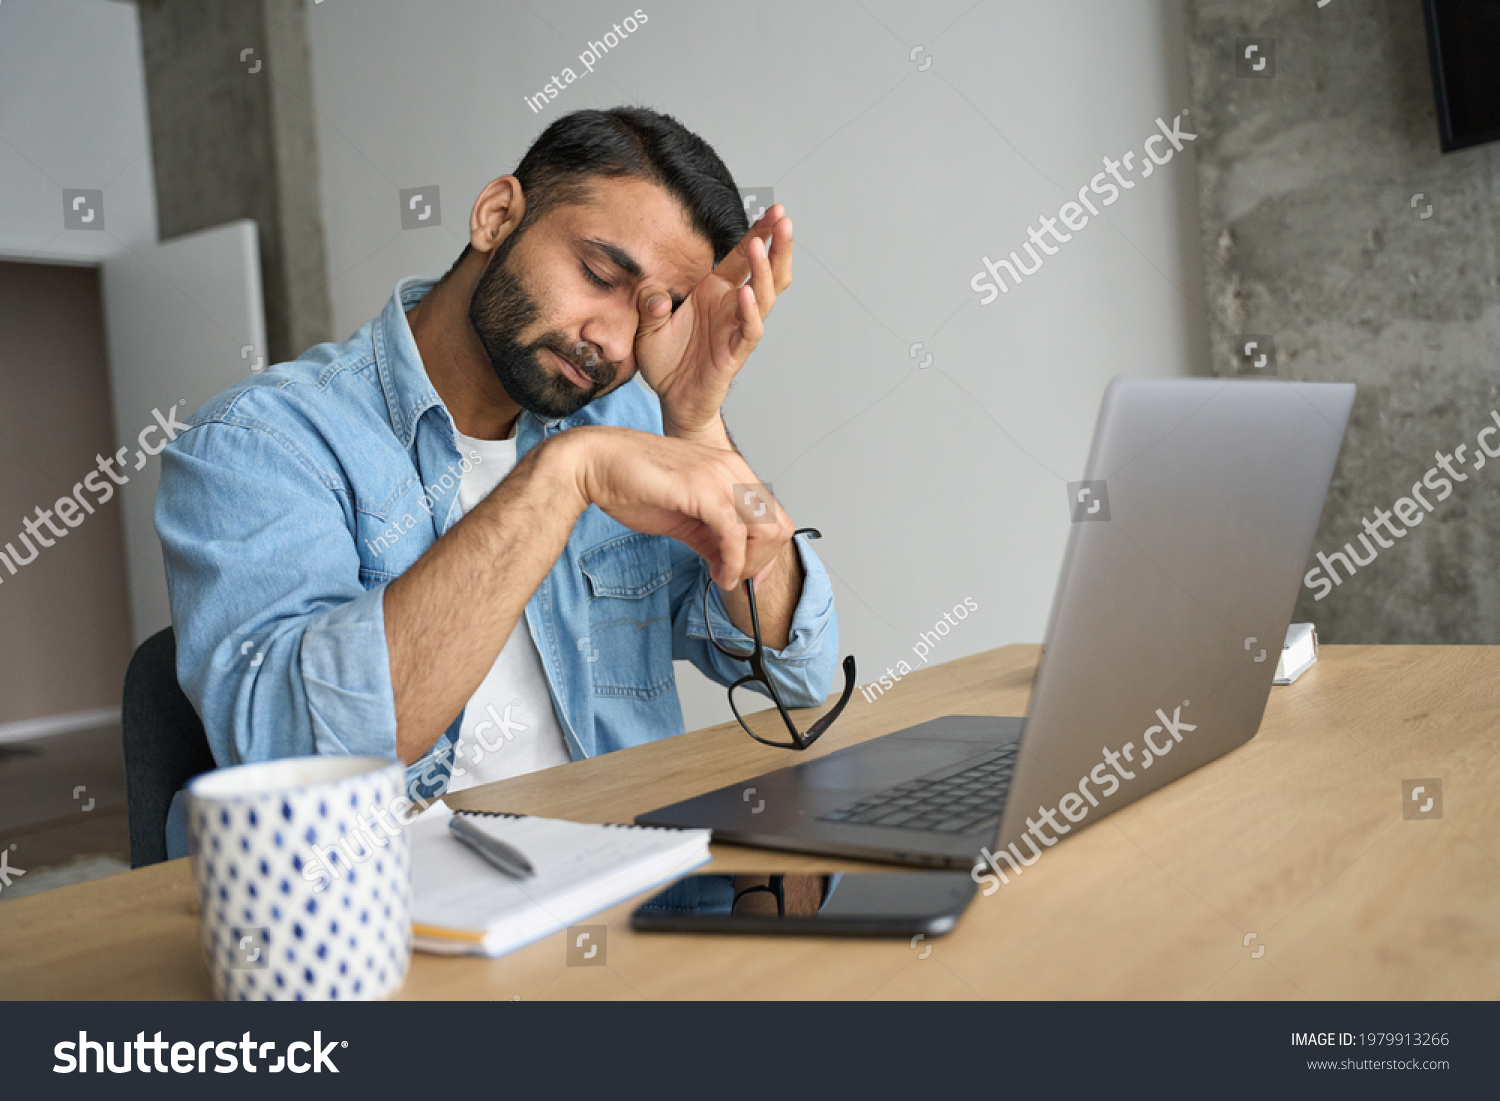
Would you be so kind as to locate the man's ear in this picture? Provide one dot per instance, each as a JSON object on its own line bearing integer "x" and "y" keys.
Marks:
{"x": 497, "y": 213}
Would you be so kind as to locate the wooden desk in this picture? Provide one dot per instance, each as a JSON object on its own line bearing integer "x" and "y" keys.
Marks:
{"x": 1297, "y": 837}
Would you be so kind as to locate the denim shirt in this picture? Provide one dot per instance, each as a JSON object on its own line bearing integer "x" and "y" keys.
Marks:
{"x": 295, "y": 497}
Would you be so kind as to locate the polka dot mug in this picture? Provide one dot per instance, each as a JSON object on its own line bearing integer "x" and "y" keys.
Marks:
{"x": 304, "y": 878}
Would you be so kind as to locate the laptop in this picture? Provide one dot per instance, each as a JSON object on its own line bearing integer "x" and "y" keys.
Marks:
{"x": 1190, "y": 533}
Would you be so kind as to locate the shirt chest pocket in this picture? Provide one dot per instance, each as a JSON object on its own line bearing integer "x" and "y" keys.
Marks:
{"x": 628, "y": 648}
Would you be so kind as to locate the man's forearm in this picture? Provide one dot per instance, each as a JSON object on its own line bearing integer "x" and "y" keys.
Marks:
{"x": 715, "y": 434}
{"x": 776, "y": 595}
{"x": 448, "y": 617}
{"x": 776, "y": 598}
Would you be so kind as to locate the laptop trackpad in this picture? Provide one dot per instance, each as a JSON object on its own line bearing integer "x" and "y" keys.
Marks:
{"x": 883, "y": 762}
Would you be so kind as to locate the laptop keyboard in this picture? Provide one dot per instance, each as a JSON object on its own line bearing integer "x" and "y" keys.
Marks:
{"x": 954, "y": 803}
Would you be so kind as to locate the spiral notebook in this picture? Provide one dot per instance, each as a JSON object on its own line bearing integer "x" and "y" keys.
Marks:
{"x": 461, "y": 905}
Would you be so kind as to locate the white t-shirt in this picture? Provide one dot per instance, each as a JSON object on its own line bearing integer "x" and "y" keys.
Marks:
{"x": 509, "y": 727}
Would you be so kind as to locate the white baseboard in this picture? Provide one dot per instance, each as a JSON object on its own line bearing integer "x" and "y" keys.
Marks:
{"x": 58, "y": 724}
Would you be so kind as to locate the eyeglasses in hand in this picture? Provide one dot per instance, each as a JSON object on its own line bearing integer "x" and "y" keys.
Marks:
{"x": 757, "y": 675}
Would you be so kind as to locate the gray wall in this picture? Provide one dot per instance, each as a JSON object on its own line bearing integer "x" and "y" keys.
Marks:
{"x": 930, "y": 485}
{"x": 1312, "y": 233}
{"x": 72, "y": 115}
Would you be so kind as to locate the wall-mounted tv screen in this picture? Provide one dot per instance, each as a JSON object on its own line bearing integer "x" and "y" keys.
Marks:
{"x": 1463, "y": 37}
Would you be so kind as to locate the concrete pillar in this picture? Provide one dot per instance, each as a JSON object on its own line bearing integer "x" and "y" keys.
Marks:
{"x": 229, "y": 98}
{"x": 1333, "y": 223}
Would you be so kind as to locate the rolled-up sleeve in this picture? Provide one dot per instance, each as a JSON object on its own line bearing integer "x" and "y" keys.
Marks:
{"x": 280, "y": 646}
{"x": 803, "y": 669}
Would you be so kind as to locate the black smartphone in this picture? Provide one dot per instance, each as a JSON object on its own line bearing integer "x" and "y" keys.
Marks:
{"x": 878, "y": 904}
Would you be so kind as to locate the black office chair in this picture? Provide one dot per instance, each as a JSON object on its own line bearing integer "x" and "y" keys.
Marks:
{"x": 165, "y": 746}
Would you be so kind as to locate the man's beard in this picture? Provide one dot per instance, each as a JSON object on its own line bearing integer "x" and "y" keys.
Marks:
{"x": 500, "y": 310}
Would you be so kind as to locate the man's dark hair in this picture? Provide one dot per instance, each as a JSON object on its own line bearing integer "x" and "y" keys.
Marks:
{"x": 637, "y": 142}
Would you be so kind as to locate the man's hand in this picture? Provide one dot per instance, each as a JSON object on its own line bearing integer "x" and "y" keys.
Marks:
{"x": 690, "y": 357}
{"x": 675, "y": 488}
{"x": 449, "y": 615}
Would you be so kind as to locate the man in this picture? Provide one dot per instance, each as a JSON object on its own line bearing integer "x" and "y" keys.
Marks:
{"x": 464, "y": 537}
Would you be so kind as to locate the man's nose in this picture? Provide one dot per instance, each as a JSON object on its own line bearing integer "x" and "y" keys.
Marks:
{"x": 611, "y": 341}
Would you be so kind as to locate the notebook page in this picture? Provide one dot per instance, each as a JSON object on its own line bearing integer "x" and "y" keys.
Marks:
{"x": 580, "y": 868}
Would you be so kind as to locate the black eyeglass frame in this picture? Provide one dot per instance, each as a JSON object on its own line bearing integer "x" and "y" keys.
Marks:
{"x": 758, "y": 674}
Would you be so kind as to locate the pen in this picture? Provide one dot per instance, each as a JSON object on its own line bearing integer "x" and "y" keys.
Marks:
{"x": 507, "y": 858}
